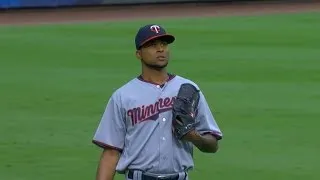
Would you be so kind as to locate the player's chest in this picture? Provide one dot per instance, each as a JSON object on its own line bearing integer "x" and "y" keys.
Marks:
{"x": 149, "y": 105}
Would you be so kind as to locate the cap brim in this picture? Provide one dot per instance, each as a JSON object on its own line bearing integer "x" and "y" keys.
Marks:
{"x": 165, "y": 37}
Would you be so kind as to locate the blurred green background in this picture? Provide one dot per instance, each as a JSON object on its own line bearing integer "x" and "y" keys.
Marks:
{"x": 260, "y": 75}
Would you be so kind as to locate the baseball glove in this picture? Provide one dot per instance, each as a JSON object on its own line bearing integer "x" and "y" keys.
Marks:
{"x": 184, "y": 110}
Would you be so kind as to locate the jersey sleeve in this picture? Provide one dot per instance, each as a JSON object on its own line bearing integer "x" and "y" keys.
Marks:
{"x": 111, "y": 129}
{"x": 207, "y": 123}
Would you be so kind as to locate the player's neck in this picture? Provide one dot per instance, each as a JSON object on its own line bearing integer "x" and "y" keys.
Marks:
{"x": 157, "y": 77}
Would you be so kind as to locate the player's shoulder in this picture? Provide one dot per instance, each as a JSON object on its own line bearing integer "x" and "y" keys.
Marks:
{"x": 181, "y": 80}
{"x": 124, "y": 89}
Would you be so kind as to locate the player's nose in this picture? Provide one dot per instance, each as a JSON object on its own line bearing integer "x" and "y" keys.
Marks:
{"x": 160, "y": 48}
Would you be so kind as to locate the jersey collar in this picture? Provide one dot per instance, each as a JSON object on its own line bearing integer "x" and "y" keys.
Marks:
{"x": 171, "y": 76}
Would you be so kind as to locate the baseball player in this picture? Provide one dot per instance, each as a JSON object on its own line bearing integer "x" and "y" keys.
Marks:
{"x": 136, "y": 131}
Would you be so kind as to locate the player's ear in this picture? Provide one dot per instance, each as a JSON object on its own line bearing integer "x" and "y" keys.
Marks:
{"x": 138, "y": 54}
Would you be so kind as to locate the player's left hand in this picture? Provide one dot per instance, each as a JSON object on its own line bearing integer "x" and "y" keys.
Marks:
{"x": 184, "y": 110}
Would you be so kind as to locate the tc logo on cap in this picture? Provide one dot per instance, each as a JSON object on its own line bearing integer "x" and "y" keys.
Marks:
{"x": 155, "y": 28}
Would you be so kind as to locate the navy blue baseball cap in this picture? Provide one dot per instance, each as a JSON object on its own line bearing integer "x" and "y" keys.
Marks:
{"x": 151, "y": 32}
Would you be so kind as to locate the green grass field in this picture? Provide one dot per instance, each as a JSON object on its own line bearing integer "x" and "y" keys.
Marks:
{"x": 261, "y": 75}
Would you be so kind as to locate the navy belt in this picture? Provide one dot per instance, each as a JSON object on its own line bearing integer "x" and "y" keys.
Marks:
{"x": 148, "y": 177}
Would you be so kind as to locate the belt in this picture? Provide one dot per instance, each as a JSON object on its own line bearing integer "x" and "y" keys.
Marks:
{"x": 148, "y": 177}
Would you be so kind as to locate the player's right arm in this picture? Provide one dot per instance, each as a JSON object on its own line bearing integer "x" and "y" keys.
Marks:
{"x": 110, "y": 136}
{"x": 107, "y": 165}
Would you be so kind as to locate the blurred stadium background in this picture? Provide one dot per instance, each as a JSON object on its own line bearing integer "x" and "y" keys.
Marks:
{"x": 9, "y": 4}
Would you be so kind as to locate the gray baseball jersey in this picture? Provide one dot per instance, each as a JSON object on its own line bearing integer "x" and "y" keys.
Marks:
{"x": 137, "y": 121}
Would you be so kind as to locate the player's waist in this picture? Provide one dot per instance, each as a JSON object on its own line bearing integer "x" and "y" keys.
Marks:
{"x": 136, "y": 174}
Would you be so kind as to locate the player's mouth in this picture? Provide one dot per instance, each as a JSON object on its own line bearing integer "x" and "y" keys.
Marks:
{"x": 161, "y": 58}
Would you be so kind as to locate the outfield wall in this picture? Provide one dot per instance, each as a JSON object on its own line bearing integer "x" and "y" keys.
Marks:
{"x": 13, "y": 4}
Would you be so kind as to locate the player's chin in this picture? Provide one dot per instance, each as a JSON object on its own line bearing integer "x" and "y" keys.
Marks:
{"x": 162, "y": 64}
{"x": 157, "y": 66}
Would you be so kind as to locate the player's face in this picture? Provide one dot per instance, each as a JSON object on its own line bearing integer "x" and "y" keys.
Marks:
{"x": 154, "y": 54}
